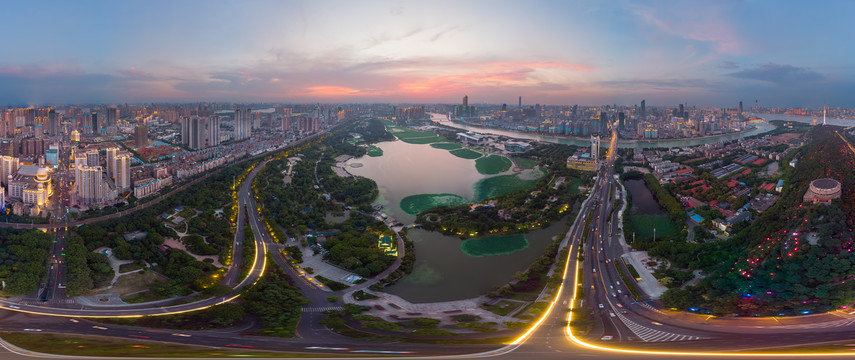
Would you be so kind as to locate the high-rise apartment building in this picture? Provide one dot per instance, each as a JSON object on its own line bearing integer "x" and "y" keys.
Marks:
{"x": 8, "y": 166}
{"x": 90, "y": 185}
{"x": 54, "y": 118}
{"x": 111, "y": 158}
{"x": 112, "y": 116}
{"x": 92, "y": 158}
{"x": 141, "y": 136}
{"x": 122, "y": 172}
{"x": 212, "y": 132}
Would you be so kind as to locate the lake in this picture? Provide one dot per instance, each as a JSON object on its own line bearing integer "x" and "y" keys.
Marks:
{"x": 443, "y": 272}
{"x": 642, "y": 199}
{"x": 409, "y": 169}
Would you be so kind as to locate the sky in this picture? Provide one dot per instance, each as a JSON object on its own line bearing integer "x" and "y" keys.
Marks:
{"x": 704, "y": 53}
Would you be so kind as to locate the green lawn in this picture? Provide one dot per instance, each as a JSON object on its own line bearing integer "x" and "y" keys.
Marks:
{"x": 494, "y": 245}
{"x": 644, "y": 225}
{"x": 574, "y": 185}
{"x": 415, "y": 204}
{"x": 446, "y": 146}
{"x": 374, "y": 151}
{"x": 466, "y": 153}
{"x": 102, "y": 346}
{"x": 492, "y": 164}
{"x": 424, "y": 140}
{"x": 503, "y": 307}
{"x": 525, "y": 163}
{"x": 496, "y": 186}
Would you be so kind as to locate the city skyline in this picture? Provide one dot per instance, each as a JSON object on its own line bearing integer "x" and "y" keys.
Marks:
{"x": 706, "y": 54}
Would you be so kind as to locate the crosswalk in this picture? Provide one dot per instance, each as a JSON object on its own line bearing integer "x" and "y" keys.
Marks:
{"x": 647, "y": 334}
{"x": 649, "y": 307}
{"x": 52, "y": 302}
{"x": 818, "y": 325}
{"x": 321, "y": 309}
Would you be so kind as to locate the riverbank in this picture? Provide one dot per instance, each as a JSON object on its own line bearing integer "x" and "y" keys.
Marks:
{"x": 622, "y": 143}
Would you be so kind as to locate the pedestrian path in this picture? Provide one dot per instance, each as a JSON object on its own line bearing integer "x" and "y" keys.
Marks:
{"x": 647, "y": 334}
{"x": 321, "y": 309}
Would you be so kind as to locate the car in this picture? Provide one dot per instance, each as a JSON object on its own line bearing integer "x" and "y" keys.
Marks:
{"x": 139, "y": 336}
{"x": 611, "y": 314}
{"x": 14, "y": 307}
{"x": 182, "y": 335}
{"x": 601, "y": 306}
{"x": 614, "y": 295}
{"x": 99, "y": 327}
{"x": 74, "y": 320}
{"x": 619, "y": 305}
{"x": 618, "y": 282}
{"x": 241, "y": 346}
{"x": 656, "y": 323}
{"x": 611, "y": 287}
{"x": 36, "y": 330}
{"x": 619, "y": 292}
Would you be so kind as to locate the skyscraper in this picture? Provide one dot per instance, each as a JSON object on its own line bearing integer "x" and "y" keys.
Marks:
{"x": 92, "y": 158}
{"x": 53, "y": 122}
{"x": 520, "y": 102}
{"x": 112, "y": 116}
{"x": 185, "y": 130}
{"x": 95, "y": 125}
{"x": 111, "y": 158}
{"x": 595, "y": 148}
{"x": 212, "y": 132}
{"x": 141, "y": 136}
{"x": 8, "y": 166}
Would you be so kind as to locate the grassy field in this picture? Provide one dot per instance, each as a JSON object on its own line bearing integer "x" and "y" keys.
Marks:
{"x": 446, "y": 146}
{"x": 90, "y": 346}
{"x": 425, "y": 140}
{"x": 133, "y": 282}
{"x": 494, "y": 245}
{"x": 415, "y": 204}
{"x": 644, "y": 225}
{"x": 374, "y": 151}
{"x": 525, "y": 163}
{"x": 466, "y": 153}
{"x": 503, "y": 307}
{"x": 492, "y": 164}
{"x": 496, "y": 186}
{"x": 573, "y": 186}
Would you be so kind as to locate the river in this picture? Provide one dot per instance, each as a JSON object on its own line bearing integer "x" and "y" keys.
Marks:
{"x": 806, "y": 119}
{"x": 760, "y": 128}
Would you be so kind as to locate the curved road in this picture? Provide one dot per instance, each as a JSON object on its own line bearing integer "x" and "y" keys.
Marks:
{"x": 257, "y": 270}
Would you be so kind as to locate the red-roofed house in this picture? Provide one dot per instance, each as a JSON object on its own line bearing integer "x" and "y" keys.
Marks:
{"x": 732, "y": 183}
